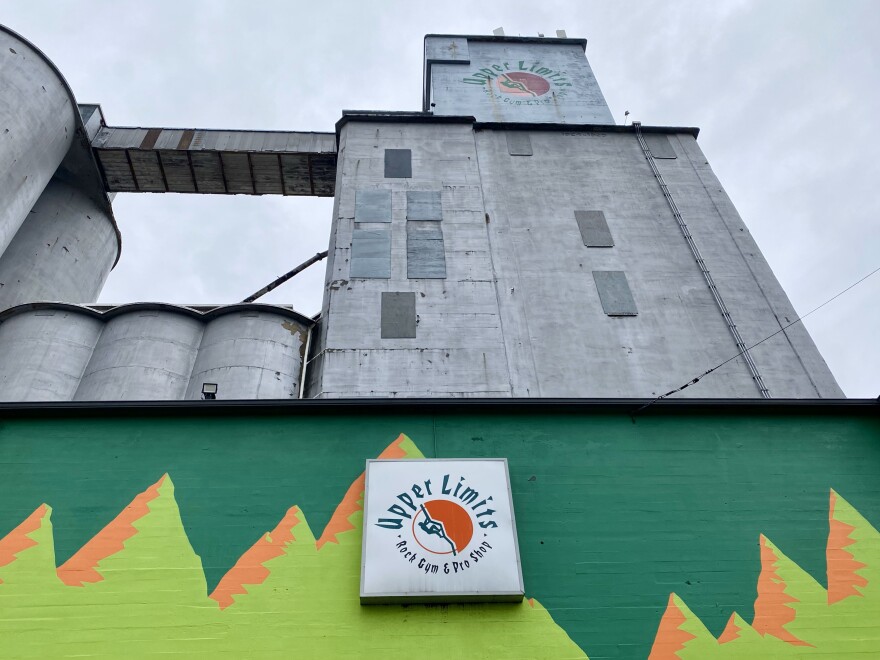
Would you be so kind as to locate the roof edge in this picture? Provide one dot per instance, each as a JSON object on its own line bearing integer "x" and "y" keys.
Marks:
{"x": 567, "y": 41}
{"x": 633, "y": 408}
{"x": 118, "y": 310}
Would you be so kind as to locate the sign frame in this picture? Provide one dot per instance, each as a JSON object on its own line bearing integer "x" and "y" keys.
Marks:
{"x": 389, "y": 598}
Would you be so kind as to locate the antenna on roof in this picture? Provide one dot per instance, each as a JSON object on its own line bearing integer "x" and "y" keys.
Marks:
{"x": 560, "y": 34}
{"x": 498, "y": 32}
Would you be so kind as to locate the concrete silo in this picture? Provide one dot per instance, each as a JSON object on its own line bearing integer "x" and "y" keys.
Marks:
{"x": 58, "y": 237}
{"x": 150, "y": 352}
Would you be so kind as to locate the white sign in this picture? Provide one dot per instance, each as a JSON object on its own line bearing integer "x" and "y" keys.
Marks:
{"x": 439, "y": 531}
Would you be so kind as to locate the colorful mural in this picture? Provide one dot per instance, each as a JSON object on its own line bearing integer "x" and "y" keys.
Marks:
{"x": 239, "y": 534}
{"x": 794, "y": 615}
{"x": 137, "y": 588}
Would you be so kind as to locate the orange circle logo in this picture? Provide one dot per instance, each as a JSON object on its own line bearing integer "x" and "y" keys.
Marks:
{"x": 442, "y": 527}
{"x": 522, "y": 83}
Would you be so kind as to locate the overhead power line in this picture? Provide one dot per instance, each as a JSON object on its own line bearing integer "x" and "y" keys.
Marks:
{"x": 782, "y": 329}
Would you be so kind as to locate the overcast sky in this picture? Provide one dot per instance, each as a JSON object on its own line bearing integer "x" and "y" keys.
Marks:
{"x": 784, "y": 92}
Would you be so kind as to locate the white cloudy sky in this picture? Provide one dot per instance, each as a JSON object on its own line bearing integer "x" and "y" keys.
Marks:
{"x": 785, "y": 92}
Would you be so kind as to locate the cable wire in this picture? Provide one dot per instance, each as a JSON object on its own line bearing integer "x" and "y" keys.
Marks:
{"x": 782, "y": 329}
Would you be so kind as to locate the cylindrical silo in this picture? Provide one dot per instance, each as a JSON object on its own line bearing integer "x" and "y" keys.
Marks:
{"x": 44, "y": 351}
{"x": 251, "y": 352}
{"x": 144, "y": 353}
{"x": 37, "y": 122}
{"x": 64, "y": 250}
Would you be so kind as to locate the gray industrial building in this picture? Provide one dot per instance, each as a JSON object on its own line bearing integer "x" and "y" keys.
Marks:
{"x": 507, "y": 240}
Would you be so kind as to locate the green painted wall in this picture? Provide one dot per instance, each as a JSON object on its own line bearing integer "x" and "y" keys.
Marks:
{"x": 612, "y": 515}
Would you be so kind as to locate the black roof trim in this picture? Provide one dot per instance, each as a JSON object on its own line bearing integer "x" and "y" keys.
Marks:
{"x": 585, "y": 128}
{"x": 568, "y": 41}
{"x": 631, "y": 407}
{"x": 402, "y": 117}
{"x": 429, "y": 118}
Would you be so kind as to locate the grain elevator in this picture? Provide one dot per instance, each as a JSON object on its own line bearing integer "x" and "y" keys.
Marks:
{"x": 508, "y": 239}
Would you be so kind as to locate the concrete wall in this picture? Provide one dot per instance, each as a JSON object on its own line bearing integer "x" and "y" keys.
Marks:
{"x": 508, "y": 79}
{"x": 520, "y": 311}
{"x": 37, "y": 124}
{"x": 560, "y": 342}
{"x": 250, "y": 355}
{"x": 230, "y": 533}
{"x": 61, "y": 352}
{"x": 63, "y": 251}
{"x": 458, "y": 349}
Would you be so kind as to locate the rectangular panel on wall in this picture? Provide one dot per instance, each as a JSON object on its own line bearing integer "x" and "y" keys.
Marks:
{"x": 659, "y": 146}
{"x": 423, "y": 205}
{"x": 594, "y": 228}
{"x": 398, "y": 163}
{"x": 425, "y": 254}
{"x": 371, "y": 205}
{"x": 519, "y": 143}
{"x": 371, "y": 253}
{"x": 614, "y": 293}
{"x": 398, "y": 315}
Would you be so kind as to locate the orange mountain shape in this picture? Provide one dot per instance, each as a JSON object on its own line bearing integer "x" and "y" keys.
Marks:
{"x": 670, "y": 637}
{"x": 842, "y": 567}
{"x": 249, "y": 568}
{"x": 18, "y": 539}
{"x": 731, "y": 631}
{"x": 772, "y": 610}
{"x": 82, "y": 567}
{"x": 351, "y": 503}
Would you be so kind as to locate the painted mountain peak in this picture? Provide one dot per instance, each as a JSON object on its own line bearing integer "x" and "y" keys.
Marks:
{"x": 795, "y": 616}
{"x": 137, "y": 588}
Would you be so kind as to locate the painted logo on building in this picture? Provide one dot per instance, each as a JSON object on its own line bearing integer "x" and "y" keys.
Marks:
{"x": 521, "y": 83}
{"x": 439, "y": 529}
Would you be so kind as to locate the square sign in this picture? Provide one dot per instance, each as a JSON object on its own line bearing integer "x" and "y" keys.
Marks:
{"x": 439, "y": 531}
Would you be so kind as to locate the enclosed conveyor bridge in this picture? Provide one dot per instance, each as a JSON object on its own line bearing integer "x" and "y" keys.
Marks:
{"x": 216, "y": 161}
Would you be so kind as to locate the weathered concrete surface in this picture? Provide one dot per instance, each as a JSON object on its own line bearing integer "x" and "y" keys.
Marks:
{"x": 37, "y": 125}
{"x": 458, "y": 349}
{"x": 143, "y": 355}
{"x": 146, "y": 351}
{"x": 250, "y": 354}
{"x": 519, "y": 313}
{"x": 476, "y": 76}
{"x": 549, "y": 304}
{"x": 44, "y": 352}
{"x": 63, "y": 251}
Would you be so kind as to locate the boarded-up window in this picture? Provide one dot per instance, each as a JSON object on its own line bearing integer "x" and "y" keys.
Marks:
{"x": 425, "y": 255}
{"x": 423, "y": 205}
{"x": 372, "y": 205}
{"x": 659, "y": 146}
{"x": 519, "y": 143}
{"x": 594, "y": 228}
{"x": 614, "y": 293}
{"x": 398, "y": 163}
{"x": 371, "y": 253}
{"x": 398, "y": 315}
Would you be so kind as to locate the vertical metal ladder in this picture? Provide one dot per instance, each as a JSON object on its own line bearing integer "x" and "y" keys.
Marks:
{"x": 740, "y": 344}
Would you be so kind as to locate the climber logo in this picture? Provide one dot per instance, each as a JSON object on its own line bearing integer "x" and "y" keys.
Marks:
{"x": 442, "y": 527}
{"x": 438, "y": 529}
{"x": 522, "y": 82}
